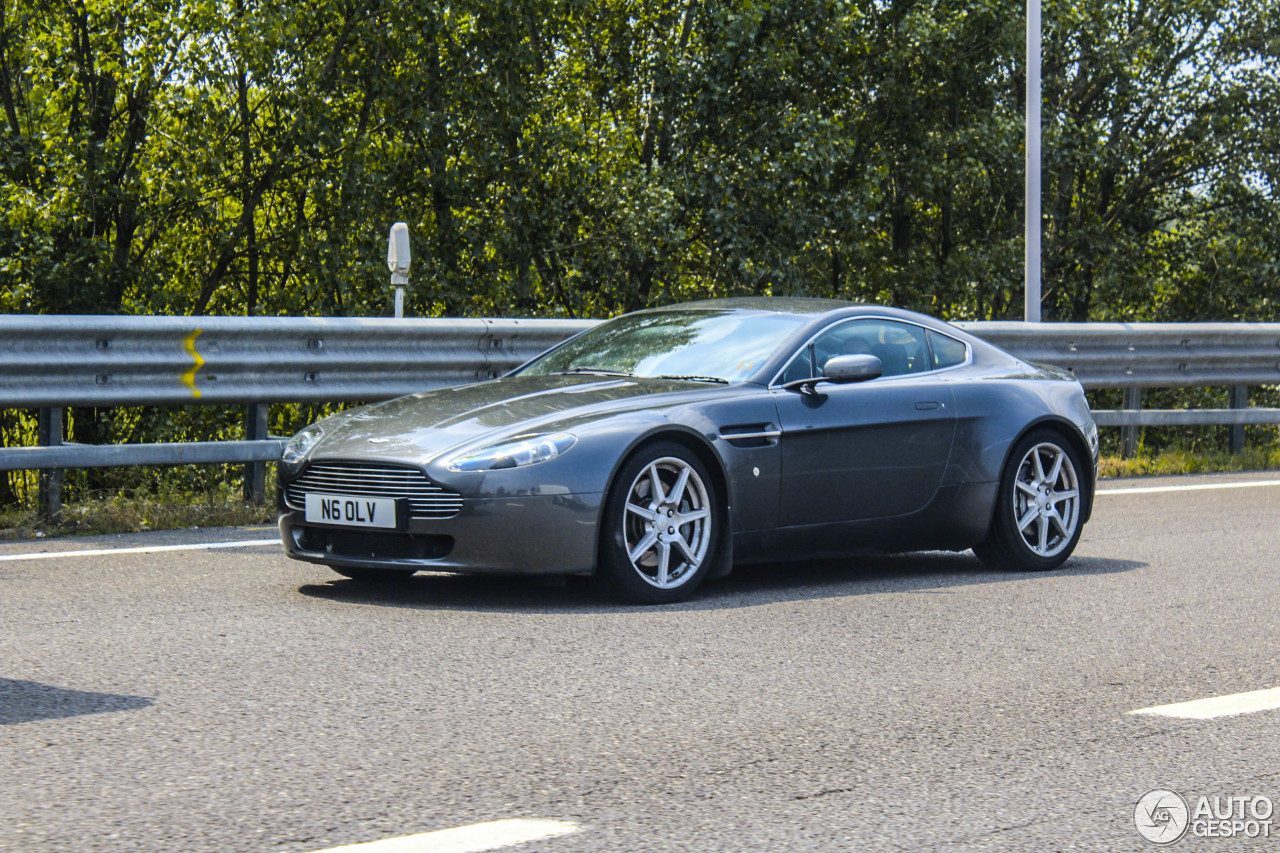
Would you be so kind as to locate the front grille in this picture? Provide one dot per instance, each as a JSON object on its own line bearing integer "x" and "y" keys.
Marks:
{"x": 426, "y": 499}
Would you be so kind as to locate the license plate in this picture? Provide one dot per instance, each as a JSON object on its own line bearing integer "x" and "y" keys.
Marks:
{"x": 351, "y": 510}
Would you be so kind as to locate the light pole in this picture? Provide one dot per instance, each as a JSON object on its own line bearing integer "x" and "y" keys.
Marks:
{"x": 1031, "y": 261}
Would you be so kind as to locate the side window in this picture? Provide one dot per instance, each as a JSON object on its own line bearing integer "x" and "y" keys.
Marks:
{"x": 947, "y": 351}
{"x": 899, "y": 346}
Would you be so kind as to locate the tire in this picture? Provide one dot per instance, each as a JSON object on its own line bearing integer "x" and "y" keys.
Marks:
{"x": 383, "y": 576}
{"x": 1038, "y": 511}
{"x": 657, "y": 548}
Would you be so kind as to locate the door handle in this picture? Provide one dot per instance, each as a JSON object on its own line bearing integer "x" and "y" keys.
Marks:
{"x": 928, "y": 405}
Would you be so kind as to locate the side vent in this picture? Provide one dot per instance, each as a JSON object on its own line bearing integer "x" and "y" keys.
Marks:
{"x": 750, "y": 435}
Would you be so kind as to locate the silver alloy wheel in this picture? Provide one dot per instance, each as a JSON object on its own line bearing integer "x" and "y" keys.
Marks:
{"x": 1046, "y": 502}
{"x": 666, "y": 527}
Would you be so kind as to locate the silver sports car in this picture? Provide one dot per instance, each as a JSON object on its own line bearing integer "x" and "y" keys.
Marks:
{"x": 662, "y": 447}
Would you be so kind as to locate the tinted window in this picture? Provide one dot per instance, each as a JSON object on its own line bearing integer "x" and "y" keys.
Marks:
{"x": 899, "y": 346}
{"x": 947, "y": 351}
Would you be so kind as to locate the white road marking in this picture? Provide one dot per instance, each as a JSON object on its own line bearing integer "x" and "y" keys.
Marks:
{"x": 1137, "y": 490}
{"x": 466, "y": 839}
{"x": 1219, "y": 706}
{"x": 149, "y": 549}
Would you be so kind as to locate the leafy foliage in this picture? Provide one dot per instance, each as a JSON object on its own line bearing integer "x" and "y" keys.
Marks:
{"x": 581, "y": 158}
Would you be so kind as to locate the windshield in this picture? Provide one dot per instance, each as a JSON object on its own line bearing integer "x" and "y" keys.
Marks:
{"x": 712, "y": 345}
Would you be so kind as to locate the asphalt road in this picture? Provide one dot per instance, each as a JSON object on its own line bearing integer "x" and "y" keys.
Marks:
{"x": 200, "y": 700}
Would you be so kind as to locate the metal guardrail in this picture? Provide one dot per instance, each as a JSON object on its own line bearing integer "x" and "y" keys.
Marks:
{"x": 121, "y": 455}
{"x": 1146, "y": 355}
{"x": 54, "y": 362}
{"x": 1185, "y": 417}
{"x": 64, "y": 361}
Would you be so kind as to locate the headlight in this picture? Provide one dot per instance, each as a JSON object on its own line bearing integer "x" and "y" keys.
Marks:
{"x": 297, "y": 448}
{"x": 514, "y": 453}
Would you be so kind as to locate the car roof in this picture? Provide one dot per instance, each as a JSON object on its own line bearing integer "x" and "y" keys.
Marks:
{"x": 804, "y": 306}
{"x": 778, "y": 304}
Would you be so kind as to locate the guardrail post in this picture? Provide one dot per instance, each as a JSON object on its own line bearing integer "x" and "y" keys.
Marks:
{"x": 255, "y": 473}
{"x": 1129, "y": 434}
{"x": 1239, "y": 400}
{"x": 49, "y": 497}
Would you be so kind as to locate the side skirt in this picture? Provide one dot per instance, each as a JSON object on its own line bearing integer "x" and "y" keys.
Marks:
{"x": 957, "y": 518}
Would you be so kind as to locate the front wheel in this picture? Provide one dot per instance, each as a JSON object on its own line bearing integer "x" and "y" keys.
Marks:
{"x": 1038, "y": 514}
{"x": 659, "y": 527}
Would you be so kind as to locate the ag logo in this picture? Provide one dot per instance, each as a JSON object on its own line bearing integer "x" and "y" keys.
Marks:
{"x": 1161, "y": 816}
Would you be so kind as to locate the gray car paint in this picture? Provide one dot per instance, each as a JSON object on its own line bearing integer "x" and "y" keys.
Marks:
{"x": 931, "y": 486}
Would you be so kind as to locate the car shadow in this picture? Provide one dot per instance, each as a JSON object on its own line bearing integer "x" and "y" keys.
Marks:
{"x": 28, "y": 701}
{"x": 747, "y": 586}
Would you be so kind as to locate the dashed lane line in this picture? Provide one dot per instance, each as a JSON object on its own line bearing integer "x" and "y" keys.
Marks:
{"x": 1218, "y": 706}
{"x": 1196, "y": 487}
{"x": 475, "y": 838}
{"x": 149, "y": 549}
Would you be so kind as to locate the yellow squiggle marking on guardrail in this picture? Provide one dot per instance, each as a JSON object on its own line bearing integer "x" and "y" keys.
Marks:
{"x": 189, "y": 378}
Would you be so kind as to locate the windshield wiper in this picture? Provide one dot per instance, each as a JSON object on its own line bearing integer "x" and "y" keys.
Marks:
{"x": 602, "y": 371}
{"x": 695, "y": 378}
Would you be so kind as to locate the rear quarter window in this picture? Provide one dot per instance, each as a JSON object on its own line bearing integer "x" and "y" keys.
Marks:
{"x": 946, "y": 351}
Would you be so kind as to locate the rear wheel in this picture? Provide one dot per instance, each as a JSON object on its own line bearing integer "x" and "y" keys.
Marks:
{"x": 660, "y": 525}
{"x": 1038, "y": 511}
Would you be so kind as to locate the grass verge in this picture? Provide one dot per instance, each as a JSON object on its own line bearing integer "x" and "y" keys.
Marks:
{"x": 1180, "y": 461}
{"x": 126, "y": 512}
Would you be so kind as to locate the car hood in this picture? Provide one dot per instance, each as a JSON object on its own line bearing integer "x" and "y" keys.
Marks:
{"x": 420, "y": 426}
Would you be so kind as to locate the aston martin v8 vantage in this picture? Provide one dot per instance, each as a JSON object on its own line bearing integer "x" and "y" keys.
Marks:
{"x": 660, "y": 448}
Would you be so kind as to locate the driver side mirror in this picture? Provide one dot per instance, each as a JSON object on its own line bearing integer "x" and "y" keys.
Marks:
{"x": 852, "y": 368}
{"x": 841, "y": 370}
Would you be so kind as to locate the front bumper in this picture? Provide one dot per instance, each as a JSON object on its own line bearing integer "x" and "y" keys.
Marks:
{"x": 539, "y": 534}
